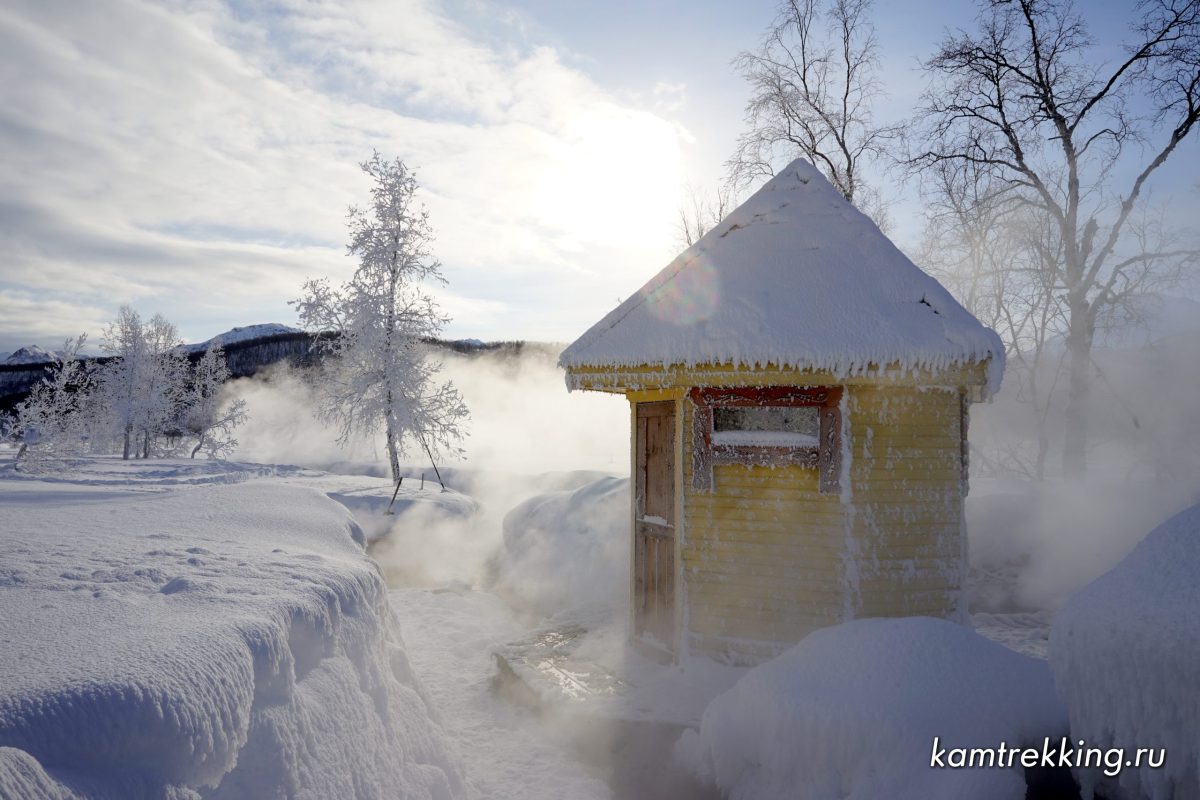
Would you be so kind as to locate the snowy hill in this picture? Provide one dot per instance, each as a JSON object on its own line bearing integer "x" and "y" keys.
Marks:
{"x": 32, "y": 354}
{"x": 244, "y": 333}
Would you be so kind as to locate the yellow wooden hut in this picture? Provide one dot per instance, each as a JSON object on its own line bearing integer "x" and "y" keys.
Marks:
{"x": 799, "y": 396}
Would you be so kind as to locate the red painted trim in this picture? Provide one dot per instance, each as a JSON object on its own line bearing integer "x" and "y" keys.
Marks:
{"x": 826, "y": 457}
{"x": 767, "y": 396}
{"x": 766, "y": 456}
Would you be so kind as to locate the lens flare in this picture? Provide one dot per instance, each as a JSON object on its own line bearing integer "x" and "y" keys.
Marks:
{"x": 687, "y": 296}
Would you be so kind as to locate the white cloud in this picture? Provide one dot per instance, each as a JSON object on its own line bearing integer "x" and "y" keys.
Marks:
{"x": 197, "y": 159}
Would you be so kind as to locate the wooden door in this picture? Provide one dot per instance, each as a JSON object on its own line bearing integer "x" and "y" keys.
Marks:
{"x": 654, "y": 525}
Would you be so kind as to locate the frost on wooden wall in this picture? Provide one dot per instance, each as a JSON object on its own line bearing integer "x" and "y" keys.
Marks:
{"x": 905, "y": 534}
{"x": 768, "y": 557}
{"x": 766, "y": 448}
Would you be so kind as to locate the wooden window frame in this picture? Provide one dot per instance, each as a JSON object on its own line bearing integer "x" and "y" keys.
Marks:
{"x": 826, "y": 457}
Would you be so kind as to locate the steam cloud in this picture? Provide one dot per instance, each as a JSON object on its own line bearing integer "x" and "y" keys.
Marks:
{"x": 528, "y": 438}
{"x": 1031, "y": 544}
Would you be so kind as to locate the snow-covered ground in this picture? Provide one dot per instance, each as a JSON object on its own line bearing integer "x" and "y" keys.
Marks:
{"x": 168, "y": 633}
{"x": 215, "y": 628}
{"x": 451, "y": 634}
{"x": 1125, "y": 651}
{"x": 853, "y": 711}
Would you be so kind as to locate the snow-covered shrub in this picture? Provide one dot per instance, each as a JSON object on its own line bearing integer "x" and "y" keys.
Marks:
{"x": 568, "y": 549}
{"x": 224, "y": 642}
{"x": 1125, "y": 652}
{"x": 52, "y": 421}
{"x": 206, "y": 414}
{"x": 852, "y": 711}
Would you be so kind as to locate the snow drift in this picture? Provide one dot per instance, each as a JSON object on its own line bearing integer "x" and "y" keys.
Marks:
{"x": 568, "y": 549}
{"x": 1124, "y": 652}
{"x": 852, "y": 711}
{"x": 210, "y": 642}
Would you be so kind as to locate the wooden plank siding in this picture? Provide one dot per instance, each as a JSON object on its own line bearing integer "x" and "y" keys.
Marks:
{"x": 765, "y": 557}
{"x": 760, "y": 556}
{"x": 906, "y": 477}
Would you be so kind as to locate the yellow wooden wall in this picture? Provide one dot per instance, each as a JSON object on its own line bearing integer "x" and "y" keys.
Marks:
{"x": 906, "y": 523}
{"x": 765, "y": 558}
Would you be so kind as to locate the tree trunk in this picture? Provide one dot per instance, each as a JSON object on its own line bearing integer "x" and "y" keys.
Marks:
{"x": 1075, "y": 433}
{"x": 1043, "y": 449}
{"x": 128, "y": 442}
{"x": 1040, "y": 411}
{"x": 393, "y": 451}
{"x": 196, "y": 449}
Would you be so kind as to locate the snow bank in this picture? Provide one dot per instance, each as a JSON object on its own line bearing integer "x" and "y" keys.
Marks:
{"x": 852, "y": 711}
{"x": 795, "y": 276}
{"x": 1125, "y": 651}
{"x": 568, "y": 549}
{"x": 228, "y": 641}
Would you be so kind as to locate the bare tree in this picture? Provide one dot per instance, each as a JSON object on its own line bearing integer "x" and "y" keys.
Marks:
{"x": 998, "y": 258}
{"x": 379, "y": 374}
{"x": 1022, "y": 100}
{"x": 698, "y": 216}
{"x": 814, "y": 83}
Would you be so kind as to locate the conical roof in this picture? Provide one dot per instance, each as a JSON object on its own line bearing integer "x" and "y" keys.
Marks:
{"x": 795, "y": 277}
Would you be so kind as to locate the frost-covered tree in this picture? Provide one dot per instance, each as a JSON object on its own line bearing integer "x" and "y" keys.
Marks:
{"x": 51, "y": 422}
{"x": 140, "y": 388}
{"x": 378, "y": 374}
{"x": 207, "y": 415}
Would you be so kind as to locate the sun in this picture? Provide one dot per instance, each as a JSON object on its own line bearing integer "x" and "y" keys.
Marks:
{"x": 614, "y": 179}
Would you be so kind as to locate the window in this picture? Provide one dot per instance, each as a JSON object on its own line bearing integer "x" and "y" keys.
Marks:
{"x": 771, "y": 426}
{"x": 785, "y": 426}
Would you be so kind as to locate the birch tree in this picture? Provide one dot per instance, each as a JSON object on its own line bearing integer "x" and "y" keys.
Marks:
{"x": 813, "y": 86}
{"x": 377, "y": 374}
{"x": 140, "y": 386}
{"x": 1028, "y": 99}
{"x": 997, "y": 258}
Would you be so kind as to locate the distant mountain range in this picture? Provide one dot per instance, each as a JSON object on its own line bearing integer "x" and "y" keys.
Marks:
{"x": 248, "y": 349}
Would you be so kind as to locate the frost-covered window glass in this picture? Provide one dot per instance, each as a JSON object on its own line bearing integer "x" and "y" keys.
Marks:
{"x": 767, "y": 426}
{"x": 780, "y": 426}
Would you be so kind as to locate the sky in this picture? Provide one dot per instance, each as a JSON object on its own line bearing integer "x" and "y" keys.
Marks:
{"x": 197, "y": 158}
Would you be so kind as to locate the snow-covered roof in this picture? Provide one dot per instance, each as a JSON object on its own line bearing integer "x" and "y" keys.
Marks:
{"x": 794, "y": 277}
